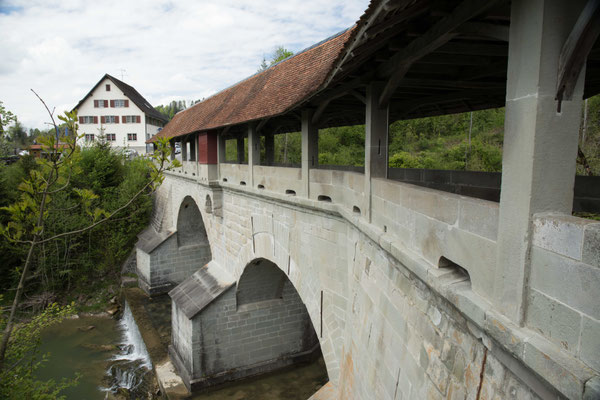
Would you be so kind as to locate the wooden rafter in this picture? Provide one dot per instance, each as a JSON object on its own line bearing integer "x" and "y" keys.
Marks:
{"x": 576, "y": 49}
{"x": 439, "y": 34}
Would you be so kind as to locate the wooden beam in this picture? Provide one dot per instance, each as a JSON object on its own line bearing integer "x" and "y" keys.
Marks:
{"x": 261, "y": 124}
{"x": 436, "y": 36}
{"x": 576, "y": 49}
{"x": 411, "y": 105}
{"x": 406, "y": 14}
{"x": 475, "y": 49}
{"x": 451, "y": 83}
{"x": 493, "y": 31}
{"x": 359, "y": 96}
{"x": 454, "y": 59}
{"x": 379, "y": 10}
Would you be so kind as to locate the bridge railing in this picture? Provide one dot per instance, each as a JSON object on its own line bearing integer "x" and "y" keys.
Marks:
{"x": 233, "y": 173}
{"x": 284, "y": 180}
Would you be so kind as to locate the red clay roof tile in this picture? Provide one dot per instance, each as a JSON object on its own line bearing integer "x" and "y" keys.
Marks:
{"x": 265, "y": 94}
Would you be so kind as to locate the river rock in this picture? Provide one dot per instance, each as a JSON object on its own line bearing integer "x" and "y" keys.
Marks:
{"x": 113, "y": 310}
{"x": 100, "y": 347}
{"x": 86, "y": 328}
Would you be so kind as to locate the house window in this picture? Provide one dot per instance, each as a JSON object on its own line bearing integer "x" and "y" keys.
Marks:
{"x": 131, "y": 119}
{"x": 108, "y": 88}
{"x": 100, "y": 103}
{"x": 89, "y": 137}
{"x": 87, "y": 120}
{"x": 111, "y": 119}
{"x": 119, "y": 103}
{"x": 132, "y": 136}
{"x": 111, "y": 137}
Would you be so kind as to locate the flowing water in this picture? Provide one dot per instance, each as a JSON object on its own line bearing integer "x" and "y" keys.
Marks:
{"x": 108, "y": 355}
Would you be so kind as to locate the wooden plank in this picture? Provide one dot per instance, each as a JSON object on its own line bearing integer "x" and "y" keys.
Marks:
{"x": 436, "y": 36}
{"x": 576, "y": 49}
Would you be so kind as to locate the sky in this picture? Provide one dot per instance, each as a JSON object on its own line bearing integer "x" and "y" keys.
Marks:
{"x": 167, "y": 50}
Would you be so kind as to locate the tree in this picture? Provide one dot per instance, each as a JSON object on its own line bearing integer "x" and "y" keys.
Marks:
{"x": 18, "y": 380}
{"x": 29, "y": 215}
{"x": 279, "y": 54}
{"x": 6, "y": 117}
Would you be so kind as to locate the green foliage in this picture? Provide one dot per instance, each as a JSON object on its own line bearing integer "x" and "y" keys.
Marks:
{"x": 6, "y": 117}
{"x": 590, "y": 145}
{"x": 279, "y": 54}
{"x": 23, "y": 358}
{"x": 342, "y": 146}
{"x": 171, "y": 109}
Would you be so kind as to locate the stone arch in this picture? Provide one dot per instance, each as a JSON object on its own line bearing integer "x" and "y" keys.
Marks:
{"x": 261, "y": 282}
{"x": 190, "y": 225}
{"x": 265, "y": 245}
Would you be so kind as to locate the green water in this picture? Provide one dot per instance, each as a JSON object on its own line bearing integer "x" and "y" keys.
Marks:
{"x": 298, "y": 383}
{"x": 72, "y": 351}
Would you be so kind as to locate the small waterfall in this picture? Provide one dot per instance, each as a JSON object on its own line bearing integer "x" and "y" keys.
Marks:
{"x": 131, "y": 365}
{"x": 133, "y": 347}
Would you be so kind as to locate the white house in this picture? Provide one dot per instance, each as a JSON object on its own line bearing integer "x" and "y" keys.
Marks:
{"x": 118, "y": 111}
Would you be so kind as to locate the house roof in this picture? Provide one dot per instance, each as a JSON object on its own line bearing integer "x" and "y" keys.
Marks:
{"x": 268, "y": 93}
{"x": 132, "y": 94}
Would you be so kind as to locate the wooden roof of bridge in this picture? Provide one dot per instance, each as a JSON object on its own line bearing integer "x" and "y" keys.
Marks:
{"x": 434, "y": 57}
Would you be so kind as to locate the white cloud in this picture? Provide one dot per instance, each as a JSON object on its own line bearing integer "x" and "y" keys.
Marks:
{"x": 185, "y": 49}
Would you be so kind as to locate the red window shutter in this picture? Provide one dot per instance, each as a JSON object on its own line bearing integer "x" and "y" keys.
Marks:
{"x": 112, "y": 103}
{"x": 81, "y": 120}
{"x": 102, "y": 119}
{"x": 95, "y": 103}
{"x": 123, "y": 119}
{"x": 116, "y": 119}
{"x": 95, "y": 120}
{"x": 139, "y": 119}
{"x": 126, "y": 103}
{"x": 105, "y": 103}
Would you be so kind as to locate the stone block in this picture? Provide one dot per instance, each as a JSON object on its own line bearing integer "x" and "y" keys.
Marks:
{"x": 589, "y": 351}
{"x": 554, "y": 320}
{"x": 591, "y": 245}
{"x": 479, "y": 217}
{"x": 571, "y": 282}
{"x": 561, "y": 234}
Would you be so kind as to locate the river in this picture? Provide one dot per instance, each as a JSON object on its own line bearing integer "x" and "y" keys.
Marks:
{"x": 108, "y": 354}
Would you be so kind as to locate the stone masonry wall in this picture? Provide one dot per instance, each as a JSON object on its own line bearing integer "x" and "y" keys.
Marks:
{"x": 261, "y": 333}
{"x": 565, "y": 284}
{"x": 390, "y": 325}
{"x": 170, "y": 264}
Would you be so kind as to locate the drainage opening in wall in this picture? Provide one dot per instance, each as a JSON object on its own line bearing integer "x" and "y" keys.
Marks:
{"x": 457, "y": 269}
{"x": 224, "y": 179}
{"x": 290, "y": 192}
{"x": 324, "y": 198}
{"x": 356, "y": 210}
{"x": 242, "y": 183}
{"x": 208, "y": 205}
{"x": 261, "y": 186}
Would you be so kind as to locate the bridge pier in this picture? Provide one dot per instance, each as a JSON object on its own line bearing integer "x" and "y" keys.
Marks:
{"x": 223, "y": 332}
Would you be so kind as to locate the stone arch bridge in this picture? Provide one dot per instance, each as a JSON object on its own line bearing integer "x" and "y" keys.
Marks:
{"x": 412, "y": 284}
